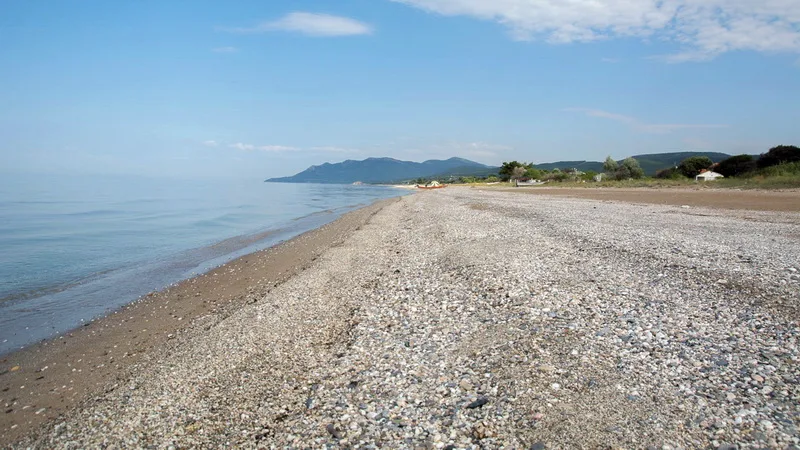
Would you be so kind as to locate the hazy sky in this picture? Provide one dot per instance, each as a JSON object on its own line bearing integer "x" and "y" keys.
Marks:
{"x": 261, "y": 88}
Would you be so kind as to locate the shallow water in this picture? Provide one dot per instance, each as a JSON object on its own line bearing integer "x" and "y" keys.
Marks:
{"x": 74, "y": 248}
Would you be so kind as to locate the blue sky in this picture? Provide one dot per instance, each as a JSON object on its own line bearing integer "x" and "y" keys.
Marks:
{"x": 267, "y": 88}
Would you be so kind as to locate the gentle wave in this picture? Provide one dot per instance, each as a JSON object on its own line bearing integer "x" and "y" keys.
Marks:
{"x": 77, "y": 250}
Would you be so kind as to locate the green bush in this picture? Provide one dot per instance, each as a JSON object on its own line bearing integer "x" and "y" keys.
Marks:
{"x": 534, "y": 174}
{"x": 671, "y": 173}
{"x": 556, "y": 175}
{"x": 779, "y": 155}
{"x": 737, "y": 165}
{"x": 610, "y": 165}
{"x": 781, "y": 170}
{"x": 588, "y": 175}
{"x": 691, "y": 167}
{"x": 629, "y": 169}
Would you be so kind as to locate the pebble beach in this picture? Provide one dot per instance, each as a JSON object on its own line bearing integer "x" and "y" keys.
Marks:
{"x": 461, "y": 318}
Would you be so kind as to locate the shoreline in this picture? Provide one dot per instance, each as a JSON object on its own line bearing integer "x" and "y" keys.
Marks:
{"x": 29, "y": 321}
{"x": 464, "y": 318}
{"x": 48, "y": 378}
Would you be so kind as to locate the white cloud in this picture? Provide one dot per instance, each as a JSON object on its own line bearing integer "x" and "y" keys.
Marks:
{"x": 243, "y": 147}
{"x": 210, "y": 143}
{"x": 702, "y": 28}
{"x": 225, "y": 50}
{"x": 310, "y": 24}
{"x": 658, "y": 128}
{"x": 276, "y": 148}
{"x": 264, "y": 148}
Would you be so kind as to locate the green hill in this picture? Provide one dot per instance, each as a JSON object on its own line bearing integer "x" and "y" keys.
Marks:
{"x": 388, "y": 170}
{"x": 383, "y": 170}
{"x": 651, "y": 163}
{"x": 655, "y": 162}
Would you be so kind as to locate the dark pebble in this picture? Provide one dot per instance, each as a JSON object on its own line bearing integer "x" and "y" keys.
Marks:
{"x": 333, "y": 431}
{"x": 538, "y": 446}
{"x": 478, "y": 403}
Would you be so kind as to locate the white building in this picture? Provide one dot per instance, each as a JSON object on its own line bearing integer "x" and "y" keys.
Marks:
{"x": 708, "y": 175}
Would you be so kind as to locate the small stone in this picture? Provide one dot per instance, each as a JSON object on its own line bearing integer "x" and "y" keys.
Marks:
{"x": 333, "y": 431}
{"x": 757, "y": 378}
{"x": 538, "y": 446}
{"x": 547, "y": 369}
{"x": 478, "y": 403}
{"x": 555, "y": 386}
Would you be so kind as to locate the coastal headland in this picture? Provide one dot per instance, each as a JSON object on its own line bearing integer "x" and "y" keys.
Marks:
{"x": 456, "y": 318}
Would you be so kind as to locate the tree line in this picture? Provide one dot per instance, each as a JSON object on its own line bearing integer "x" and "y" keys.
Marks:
{"x": 735, "y": 166}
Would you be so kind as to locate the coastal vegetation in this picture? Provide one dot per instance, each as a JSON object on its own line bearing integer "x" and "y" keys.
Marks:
{"x": 778, "y": 168}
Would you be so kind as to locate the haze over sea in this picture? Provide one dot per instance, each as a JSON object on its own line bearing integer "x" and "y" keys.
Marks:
{"x": 74, "y": 248}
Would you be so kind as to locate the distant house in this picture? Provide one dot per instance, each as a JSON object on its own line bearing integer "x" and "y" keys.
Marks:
{"x": 708, "y": 175}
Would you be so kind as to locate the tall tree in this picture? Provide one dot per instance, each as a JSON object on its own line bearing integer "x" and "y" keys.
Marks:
{"x": 633, "y": 168}
{"x": 629, "y": 168}
{"x": 507, "y": 169}
{"x": 692, "y": 166}
{"x": 737, "y": 165}
{"x": 779, "y": 155}
{"x": 610, "y": 166}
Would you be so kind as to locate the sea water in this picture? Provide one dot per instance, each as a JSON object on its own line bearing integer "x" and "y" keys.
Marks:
{"x": 75, "y": 248}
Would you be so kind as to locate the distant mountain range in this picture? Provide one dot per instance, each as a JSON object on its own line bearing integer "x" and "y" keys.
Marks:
{"x": 386, "y": 170}
{"x": 389, "y": 170}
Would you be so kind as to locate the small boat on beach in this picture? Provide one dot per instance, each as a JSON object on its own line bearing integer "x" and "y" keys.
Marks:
{"x": 432, "y": 185}
{"x": 518, "y": 183}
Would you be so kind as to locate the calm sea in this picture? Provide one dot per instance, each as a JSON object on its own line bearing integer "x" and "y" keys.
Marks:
{"x": 74, "y": 248}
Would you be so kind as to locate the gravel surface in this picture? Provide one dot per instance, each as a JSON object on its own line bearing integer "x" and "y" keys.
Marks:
{"x": 464, "y": 319}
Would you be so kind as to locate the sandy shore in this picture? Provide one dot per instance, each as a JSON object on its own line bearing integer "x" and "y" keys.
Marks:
{"x": 756, "y": 200}
{"x": 46, "y": 380}
{"x": 464, "y": 318}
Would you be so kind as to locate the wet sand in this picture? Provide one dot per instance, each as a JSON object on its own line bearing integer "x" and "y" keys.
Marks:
{"x": 42, "y": 382}
{"x": 756, "y": 200}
